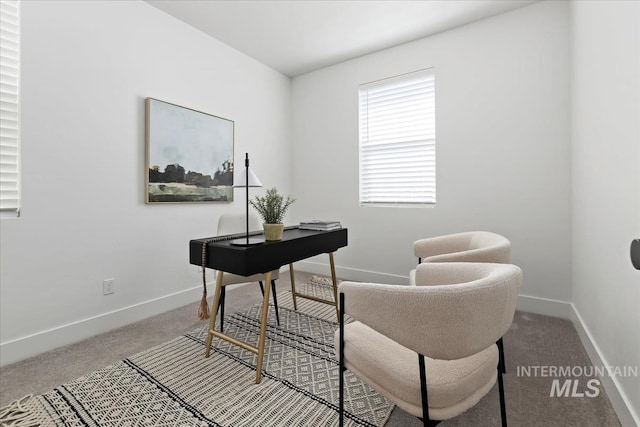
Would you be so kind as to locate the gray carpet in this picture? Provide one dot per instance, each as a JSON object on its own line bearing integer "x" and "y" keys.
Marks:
{"x": 533, "y": 340}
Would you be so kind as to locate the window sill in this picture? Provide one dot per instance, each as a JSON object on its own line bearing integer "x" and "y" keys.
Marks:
{"x": 399, "y": 205}
{"x": 9, "y": 214}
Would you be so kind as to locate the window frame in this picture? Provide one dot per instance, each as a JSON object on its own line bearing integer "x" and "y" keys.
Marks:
{"x": 409, "y": 95}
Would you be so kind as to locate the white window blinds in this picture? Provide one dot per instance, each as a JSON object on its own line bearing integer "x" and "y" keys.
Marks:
{"x": 398, "y": 140}
{"x": 9, "y": 111}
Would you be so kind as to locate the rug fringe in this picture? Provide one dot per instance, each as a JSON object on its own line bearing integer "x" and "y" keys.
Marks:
{"x": 16, "y": 415}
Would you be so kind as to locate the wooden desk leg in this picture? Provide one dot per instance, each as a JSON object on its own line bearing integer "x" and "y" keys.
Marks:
{"x": 335, "y": 284}
{"x": 263, "y": 327}
{"x": 293, "y": 286}
{"x": 214, "y": 312}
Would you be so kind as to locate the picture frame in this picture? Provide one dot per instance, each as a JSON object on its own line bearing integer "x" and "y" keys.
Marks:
{"x": 189, "y": 155}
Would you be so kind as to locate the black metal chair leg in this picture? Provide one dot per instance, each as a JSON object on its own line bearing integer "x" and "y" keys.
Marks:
{"x": 275, "y": 300}
{"x": 261, "y": 287}
{"x": 221, "y": 307}
{"x": 342, "y": 368}
{"x": 503, "y": 408}
{"x": 503, "y": 365}
{"x": 423, "y": 391}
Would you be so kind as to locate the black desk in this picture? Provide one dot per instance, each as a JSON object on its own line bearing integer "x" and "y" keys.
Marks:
{"x": 295, "y": 245}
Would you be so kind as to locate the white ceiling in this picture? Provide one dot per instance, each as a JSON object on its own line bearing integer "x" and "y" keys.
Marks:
{"x": 295, "y": 37}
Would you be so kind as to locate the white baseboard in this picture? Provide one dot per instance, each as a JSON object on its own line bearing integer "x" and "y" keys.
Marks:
{"x": 544, "y": 306}
{"x": 620, "y": 402}
{"x": 31, "y": 345}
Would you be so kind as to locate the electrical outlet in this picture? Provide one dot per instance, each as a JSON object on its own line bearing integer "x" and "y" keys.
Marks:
{"x": 108, "y": 286}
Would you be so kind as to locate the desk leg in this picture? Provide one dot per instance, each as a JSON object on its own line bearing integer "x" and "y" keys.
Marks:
{"x": 335, "y": 284}
{"x": 263, "y": 327}
{"x": 293, "y": 286}
{"x": 214, "y": 311}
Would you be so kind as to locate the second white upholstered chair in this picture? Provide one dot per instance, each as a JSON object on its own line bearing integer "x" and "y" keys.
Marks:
{"x": 430, "y": 348}
{"x": 471, "y": 246}
{"x": 232, "y": 224}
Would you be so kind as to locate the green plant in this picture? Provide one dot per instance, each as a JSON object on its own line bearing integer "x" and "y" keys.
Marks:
{"x": 272, "y": 206}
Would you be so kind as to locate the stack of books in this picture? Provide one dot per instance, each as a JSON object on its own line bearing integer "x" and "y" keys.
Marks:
{"x": 319, "y": 225}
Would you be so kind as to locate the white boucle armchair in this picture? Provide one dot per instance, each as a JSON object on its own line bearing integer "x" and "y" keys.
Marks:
{"x": 430, "y": 348}
{"x": 470, "y": 246}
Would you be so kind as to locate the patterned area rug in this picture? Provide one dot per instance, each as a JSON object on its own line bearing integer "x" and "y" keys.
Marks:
{"x": 173, "y": 384}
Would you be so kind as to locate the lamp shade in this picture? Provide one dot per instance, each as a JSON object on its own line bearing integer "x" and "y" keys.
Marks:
{"x": 240, "y": 179}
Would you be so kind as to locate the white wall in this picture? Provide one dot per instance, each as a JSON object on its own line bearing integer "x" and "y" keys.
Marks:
{"x": 504, "y": 163}
{"x": 503, "y": 149}
{"x": 87, "y": 69}
{"x": 606, "y": 186}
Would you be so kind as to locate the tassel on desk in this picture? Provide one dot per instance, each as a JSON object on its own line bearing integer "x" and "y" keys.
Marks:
{"x": 203, "y": 311}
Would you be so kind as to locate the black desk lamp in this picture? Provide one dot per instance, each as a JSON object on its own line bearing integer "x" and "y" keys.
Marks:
{"x": 246, "y": 180}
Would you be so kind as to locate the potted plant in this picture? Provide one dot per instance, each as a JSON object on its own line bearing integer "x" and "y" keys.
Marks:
{"x": 272, "y": 207}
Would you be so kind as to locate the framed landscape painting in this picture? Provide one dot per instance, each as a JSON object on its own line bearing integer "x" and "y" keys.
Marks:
{"x": 189, "y": 155}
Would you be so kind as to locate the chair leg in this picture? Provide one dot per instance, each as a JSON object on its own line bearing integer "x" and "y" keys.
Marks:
{"x": 221, "y": 308}
{"x": 275, "y": 300}
{"x": 503, "y": 408}
{"x": 503, "y": 365}
{"x": 261, "y": 287}
{"x": 423, "y": 392}
{"x": 341, "y": 369}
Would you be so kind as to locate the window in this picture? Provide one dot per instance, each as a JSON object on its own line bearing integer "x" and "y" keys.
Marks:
{"x": 398, "y": 141}
{"x": 9, "y": 111}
